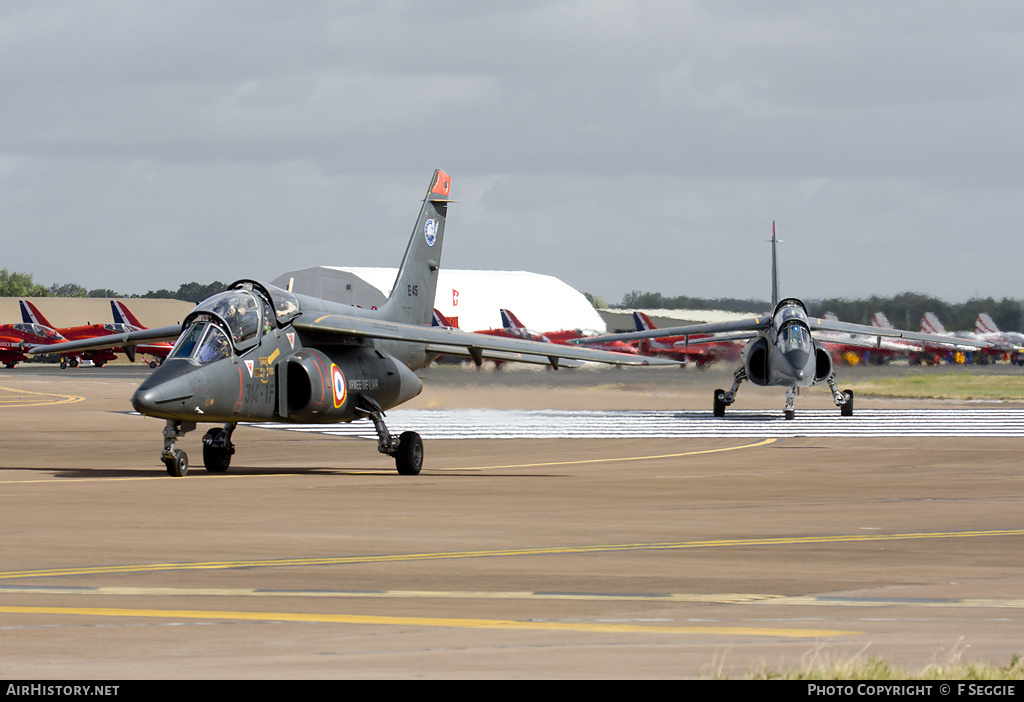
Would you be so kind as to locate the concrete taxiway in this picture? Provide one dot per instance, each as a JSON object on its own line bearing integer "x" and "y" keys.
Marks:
{"x": 627, "y": 557}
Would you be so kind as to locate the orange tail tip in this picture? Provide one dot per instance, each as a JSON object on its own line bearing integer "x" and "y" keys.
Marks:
{"x": 442, "y": 184}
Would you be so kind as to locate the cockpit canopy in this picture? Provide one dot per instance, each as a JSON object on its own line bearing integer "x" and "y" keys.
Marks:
{"x": 234, "y": 320}
{"x": 788, "y": 310}
{"x": 284, "y": 304}
{"x": 38, "y": 330}
{"x": 790, "y": 322}
{"x": 242, "y": 313}
{"x": 204, "y": 342}
{"x": 795, "y": 337}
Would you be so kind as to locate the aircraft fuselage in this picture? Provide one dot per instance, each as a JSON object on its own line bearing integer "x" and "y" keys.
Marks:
{"x": 277, "y": 378}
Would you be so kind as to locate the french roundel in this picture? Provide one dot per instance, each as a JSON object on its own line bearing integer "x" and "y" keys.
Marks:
{"x": 339, "y": 385}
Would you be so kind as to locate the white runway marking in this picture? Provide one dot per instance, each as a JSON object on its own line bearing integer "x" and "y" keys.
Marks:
{"x": 631, "y": 424}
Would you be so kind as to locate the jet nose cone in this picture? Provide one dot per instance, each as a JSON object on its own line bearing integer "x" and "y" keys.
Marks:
{"x": 159, "y": 401}
{"x": 798, "y": 365}
{"x": 144, "y": 401}
{"x": 164, "y": 392}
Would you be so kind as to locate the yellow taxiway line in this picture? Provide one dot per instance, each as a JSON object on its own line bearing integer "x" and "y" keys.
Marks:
{"x": 448, "y": 623}
{"x": 12, "y": 397}
{"x": 382, "y": 471}
{"x": 502, "y": 553}
{"x": 724, "y": 449}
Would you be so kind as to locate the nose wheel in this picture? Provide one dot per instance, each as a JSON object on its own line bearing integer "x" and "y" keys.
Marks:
{"x": 176, "y": 463}
{"x": 175, "y": 460}
{"x": 790, "y": 412}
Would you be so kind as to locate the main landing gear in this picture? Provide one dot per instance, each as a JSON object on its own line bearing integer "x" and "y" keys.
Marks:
{"x": 406, "y": 449}
{"x": 722, "y": 399}
{"x": 217, "y": 448}
{"x": 843, "y": 400}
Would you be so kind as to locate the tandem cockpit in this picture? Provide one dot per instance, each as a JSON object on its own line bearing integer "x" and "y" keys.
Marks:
{"x": 38, "y": 330}
{"x": 794, "y": 335}
{"x": 233, "y": 321}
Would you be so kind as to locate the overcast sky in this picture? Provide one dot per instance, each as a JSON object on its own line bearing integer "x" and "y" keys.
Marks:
{"x": 616, "y": 145}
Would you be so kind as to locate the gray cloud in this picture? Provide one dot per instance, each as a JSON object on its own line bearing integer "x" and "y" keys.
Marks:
{"x": 616, "y": 145}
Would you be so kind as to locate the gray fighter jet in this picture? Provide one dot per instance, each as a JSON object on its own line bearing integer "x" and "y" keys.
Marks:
{"x": 781, "y": 350}
{"x": 257, "y": 353}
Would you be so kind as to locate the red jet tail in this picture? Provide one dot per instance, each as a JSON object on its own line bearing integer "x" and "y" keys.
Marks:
{"x": 123, "y": 315}
{"x": 31, "y": 315}
{"x": 643, "y": 322}
{"x": 511, "y": 323}
{"x": 440, "y": 320}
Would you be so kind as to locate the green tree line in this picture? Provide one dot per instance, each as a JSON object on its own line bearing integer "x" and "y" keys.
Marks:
{"x": 22, "y": 285}
{"x": 904, "y": 310}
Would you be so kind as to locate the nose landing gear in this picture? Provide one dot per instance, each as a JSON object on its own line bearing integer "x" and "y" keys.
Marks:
{"x": 175, "y": 460}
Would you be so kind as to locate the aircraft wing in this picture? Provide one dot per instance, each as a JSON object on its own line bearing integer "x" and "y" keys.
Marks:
{"x": 819, "y": 324}
{"x": 501, "y": 356}
{"x": 477, "y": 346}
{"x": 752, "y": 324}
{"x": 109, "y": 341}
{"x": 717, "y": 338}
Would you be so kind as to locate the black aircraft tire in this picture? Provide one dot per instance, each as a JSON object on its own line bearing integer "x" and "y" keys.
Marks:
{"x": 790, "y": 414}
{"x": 216, "y": 460}
{"x": 846, "y": 409}
{"x": 718, "y": 408}
{"x": 409, "y": 456}
{"x": 177, "y": 465}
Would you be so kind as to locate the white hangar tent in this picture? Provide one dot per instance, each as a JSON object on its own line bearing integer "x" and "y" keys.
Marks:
{"x": 541, "y": 302}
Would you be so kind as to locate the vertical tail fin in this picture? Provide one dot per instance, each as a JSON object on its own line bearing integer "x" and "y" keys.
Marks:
{"x": 880, "y": 320}
{"x": 642, "y": 322}
{"x": 31, "y": 315}
{"x": 440, "y": 320}
{"x": 412, "y": 298}
{"x": 123, "y": 315}
{"x": 985, "y": 324}
{"x": 775, "y": 272}
{"x": 930, "y": 324}
{"x": 510, "y": 322}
